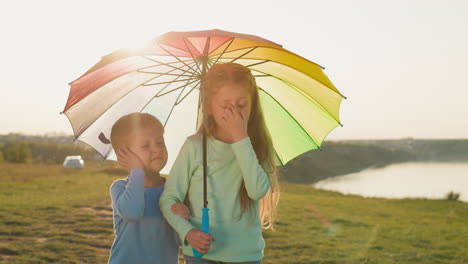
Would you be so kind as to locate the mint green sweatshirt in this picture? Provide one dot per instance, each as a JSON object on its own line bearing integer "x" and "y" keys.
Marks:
{"x": 237, "y": 239}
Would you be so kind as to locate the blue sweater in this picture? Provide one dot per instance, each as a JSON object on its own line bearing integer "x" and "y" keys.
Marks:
{"x": 142, "y": 235}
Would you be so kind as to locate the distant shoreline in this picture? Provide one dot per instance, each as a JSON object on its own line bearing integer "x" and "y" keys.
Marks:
{"x": 434, "y": 180}
{"x": 340, "y": 158}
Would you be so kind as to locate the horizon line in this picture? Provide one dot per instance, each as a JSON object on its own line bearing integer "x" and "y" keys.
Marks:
{"x": 63, "y": 134}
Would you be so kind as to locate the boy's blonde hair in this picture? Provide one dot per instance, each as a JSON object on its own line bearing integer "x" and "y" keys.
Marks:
{"x": 216, "y": 77}
{"x": 126, "y": 125}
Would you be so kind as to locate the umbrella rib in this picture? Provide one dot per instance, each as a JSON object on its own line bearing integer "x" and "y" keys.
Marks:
{"x": 173, "y": 106}
{"x": 292, "y": 117}
{"x": 224, "y": 51}
{"x": 176, "y": 103}
{"x": 173, "y": 81}
{"x": 258, "y": 63}
{"x": 161, "y": 63}
{"x": 252, "y": 49}
{"x": 167, "y": 85}
{"x": 193, "y": 88}
{"x": 302, "y": 93}
{"x": 312, "y": 99}
{"x": 166, "y": 74}
{"x": 259, "y": 46}
{"x": 170, "y": 113}
{"x": 159, "y": 95}
{"x": 169, "y": 72}
{"x": 262, "y": 75}
{"x": 191, "y": 54}
{"x": 241, "y": 49}
{"x": 172, "y": 46}
{"x": 168, "y": 65}
{"x": 278, "y": 157}
{"x": 210, "y": 63}
{"x": 176, "y": 57}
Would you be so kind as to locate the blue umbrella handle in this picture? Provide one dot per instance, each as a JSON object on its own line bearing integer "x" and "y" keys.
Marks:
{"x": 205, "y": 229}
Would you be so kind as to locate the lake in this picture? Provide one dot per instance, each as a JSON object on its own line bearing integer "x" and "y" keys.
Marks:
{"x": 414, "y": 180}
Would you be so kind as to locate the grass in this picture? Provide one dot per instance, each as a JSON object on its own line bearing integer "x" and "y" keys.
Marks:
{"x": 49, "y": 214}
{"x": 325, "y": 227}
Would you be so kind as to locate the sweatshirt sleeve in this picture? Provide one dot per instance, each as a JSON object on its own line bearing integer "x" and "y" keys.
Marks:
{"x": 176, "y": 188}
{"x": 255, "y": 178}
{"x": 128, "y": 197}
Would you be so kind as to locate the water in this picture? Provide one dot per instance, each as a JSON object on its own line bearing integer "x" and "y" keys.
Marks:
{"x": 415, "y": 180}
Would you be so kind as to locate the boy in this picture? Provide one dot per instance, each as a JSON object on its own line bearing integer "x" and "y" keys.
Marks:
{"x": 142, "y": 235}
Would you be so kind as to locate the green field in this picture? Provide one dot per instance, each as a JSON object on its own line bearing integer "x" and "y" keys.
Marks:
{"x": 49, "y": 214}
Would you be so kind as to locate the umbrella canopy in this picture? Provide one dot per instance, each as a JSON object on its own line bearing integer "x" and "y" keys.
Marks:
{"x": 300, "y": 104}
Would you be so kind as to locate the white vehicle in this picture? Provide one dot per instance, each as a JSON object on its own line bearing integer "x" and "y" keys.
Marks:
{"x": 73, "y": 162}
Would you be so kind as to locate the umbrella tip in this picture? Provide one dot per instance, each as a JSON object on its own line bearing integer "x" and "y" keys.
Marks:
{"x": 320, "y": 149}
{"x": 341, "y": 125}
{"x": 345, "y": 97}
{"x": 75, "y": 139}
{"x": 61, "y": 113}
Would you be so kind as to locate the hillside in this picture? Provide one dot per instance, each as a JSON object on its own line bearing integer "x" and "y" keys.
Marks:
{"x": 343, "y": 157}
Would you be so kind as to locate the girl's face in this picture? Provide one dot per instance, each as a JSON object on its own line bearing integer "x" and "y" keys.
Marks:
{"x": 229, "y": 94}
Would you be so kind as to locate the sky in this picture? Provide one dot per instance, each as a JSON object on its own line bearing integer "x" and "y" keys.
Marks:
{"x": 403, "y": 65}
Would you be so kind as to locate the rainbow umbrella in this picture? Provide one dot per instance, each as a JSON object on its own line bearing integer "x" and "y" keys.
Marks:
{"x": 300, "y": 104}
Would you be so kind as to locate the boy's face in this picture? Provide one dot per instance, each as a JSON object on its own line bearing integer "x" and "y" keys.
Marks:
{"x": 148, "y": 144}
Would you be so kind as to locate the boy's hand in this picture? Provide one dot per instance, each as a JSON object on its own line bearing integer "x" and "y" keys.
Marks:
{"x": 128, "y": 159}
{"x": 234, "y": 121}
{"x": 181, "y": 209}
{"x": 199, "y": 240}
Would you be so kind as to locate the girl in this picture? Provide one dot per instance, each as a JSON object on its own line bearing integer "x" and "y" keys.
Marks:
{"x": 242, "y": 184}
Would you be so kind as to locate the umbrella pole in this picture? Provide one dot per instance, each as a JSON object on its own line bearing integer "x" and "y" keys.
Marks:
{"x": 205, "y": 166}
{"x": 205, "y": 215}
{"x": 204, "y": 62}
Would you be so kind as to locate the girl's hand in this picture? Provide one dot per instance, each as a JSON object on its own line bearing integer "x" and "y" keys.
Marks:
{"x": 128, "y": 159}
{"x": 181, "y": 209}
{"x": 199, "y": 240}
{"x": 234, "y": 122}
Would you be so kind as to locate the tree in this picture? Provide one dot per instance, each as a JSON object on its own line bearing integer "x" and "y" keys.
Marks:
{"x": 17, "y": 152}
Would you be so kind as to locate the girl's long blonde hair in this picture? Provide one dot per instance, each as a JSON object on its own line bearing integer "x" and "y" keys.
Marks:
{"x": 216, "y": 77}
